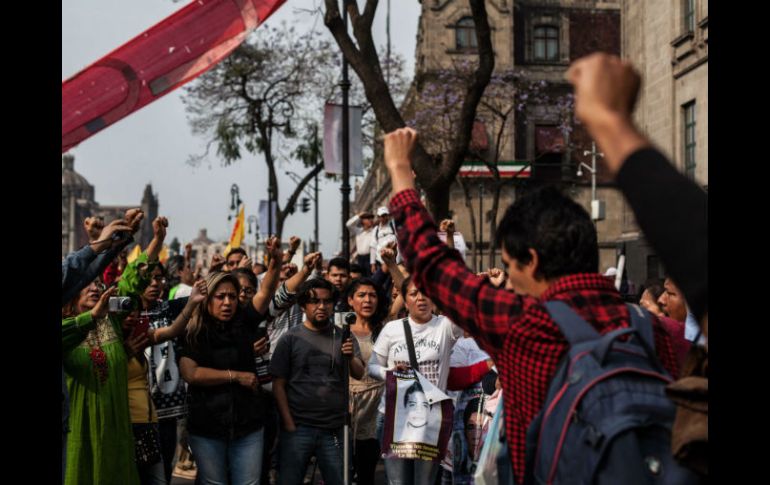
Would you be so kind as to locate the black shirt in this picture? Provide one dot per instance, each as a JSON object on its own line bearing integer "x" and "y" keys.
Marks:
{"x": 226, "y": 411}
{"x": 672, "y": 211}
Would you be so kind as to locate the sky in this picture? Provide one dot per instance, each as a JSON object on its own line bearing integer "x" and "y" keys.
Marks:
{"x": 153, "y": 144}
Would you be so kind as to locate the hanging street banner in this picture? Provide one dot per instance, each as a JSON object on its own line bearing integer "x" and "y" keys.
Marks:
{"x": 264, "y": 229}
{"x": 173, "y": 52}
{"x": 332, "y": 144}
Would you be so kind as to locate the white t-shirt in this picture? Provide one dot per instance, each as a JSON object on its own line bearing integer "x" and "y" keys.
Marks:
{"x": 433, "y": 342}
{"x": 381, "y": 237}
{"x": 364, "y": 237}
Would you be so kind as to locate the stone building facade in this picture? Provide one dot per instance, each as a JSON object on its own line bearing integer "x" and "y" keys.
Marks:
{"x": 537, "y": 40}
{"x": 78, "y": 202}
{"x": 667, "y": 41}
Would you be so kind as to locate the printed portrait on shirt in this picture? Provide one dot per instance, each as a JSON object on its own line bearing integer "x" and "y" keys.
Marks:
{"x": 417, "y": 420}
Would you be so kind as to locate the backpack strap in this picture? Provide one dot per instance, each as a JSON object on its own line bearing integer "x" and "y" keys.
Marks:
{"x": 575, "y": 329}
{"x": 642, "y": 322}
{"x": 410, "y": 344}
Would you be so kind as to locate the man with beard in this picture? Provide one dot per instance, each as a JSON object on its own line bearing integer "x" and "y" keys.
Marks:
{"x": 309, "y": 387}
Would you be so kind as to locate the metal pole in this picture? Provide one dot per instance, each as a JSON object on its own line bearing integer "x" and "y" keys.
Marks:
{"x": 269, "y": 211}
{"x": 346, "y": 429}
{"x": 387, "y": 33}
{"x": 481, "y": 224}
{"x": 345, "y": 189}
{"x": 315, "y": 160}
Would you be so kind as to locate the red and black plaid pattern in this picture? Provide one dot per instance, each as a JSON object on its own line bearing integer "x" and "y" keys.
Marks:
{"x": 516, "y": 331}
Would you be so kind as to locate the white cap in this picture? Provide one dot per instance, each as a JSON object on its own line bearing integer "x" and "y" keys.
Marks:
{"x": 383, "y": 211}
{"x": 611, "y": 271}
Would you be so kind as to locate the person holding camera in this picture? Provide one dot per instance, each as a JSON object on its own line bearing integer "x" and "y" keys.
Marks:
{"x": 308, "y": 368}
{"x": 141, "y": 332}
{"x": 100, "y": 446}
{"x": 79, "y": 269}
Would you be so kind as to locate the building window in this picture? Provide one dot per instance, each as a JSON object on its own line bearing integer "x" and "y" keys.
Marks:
{"x": 465, "y": 34}
{"x": 688, "y": 15}
{"x": 546, "y": 44}
{"x": 688, "y": 114}
{"x": 653, "y": 266}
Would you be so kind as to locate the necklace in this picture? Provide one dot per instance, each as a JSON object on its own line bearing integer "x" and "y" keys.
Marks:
{"x": 97, "y": 355}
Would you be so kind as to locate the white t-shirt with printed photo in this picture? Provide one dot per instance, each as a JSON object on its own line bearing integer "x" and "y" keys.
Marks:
{"x": 433, "y": 342}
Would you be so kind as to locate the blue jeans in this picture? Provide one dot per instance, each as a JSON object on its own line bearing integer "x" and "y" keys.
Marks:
{"x": 243, "y": 458}
{"x": 406, "y": 472}
{"x": 411, "y": 472}
{"x": 297, "y": 448}
{"x": 152, "y": 474}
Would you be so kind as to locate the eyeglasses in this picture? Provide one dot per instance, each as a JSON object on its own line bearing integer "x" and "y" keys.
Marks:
{"x": 160, "y": 279}
{"x": 320, "y": 301}
{"x": 248, "y": 290}
{"x": 101, "y": 287}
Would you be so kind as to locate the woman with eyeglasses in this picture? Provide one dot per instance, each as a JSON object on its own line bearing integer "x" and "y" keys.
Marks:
{"x": 100, "y": 445}
{"x": 159, "y": 361}
{"x": 248, "y": 281}
{"x": 226, "y": 405}
{"x": 140, "y": 329}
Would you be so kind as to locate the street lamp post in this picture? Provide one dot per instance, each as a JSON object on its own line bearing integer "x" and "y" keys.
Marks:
{"x": 345, "y": 188}
{"x": 235, "y": 200}
{"x": 597, "y": 206}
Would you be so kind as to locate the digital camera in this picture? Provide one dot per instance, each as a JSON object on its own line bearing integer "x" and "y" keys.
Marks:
{"x": 120, "y": 304}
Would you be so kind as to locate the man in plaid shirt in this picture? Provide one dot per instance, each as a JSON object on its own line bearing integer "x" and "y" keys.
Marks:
{"x": 549, "y": 246}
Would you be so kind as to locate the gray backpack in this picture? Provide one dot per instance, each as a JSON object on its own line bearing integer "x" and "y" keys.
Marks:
{"x": 606, "y": 418}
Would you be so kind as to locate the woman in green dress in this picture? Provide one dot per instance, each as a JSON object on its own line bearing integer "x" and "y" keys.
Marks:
{"x": 100, "y": 444}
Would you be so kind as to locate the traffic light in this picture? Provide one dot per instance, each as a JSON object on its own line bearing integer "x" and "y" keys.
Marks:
{"x": 305, "y": 204}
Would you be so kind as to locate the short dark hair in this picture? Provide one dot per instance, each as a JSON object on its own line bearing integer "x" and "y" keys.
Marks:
{"x": 655, "y": 285}
{"x": 470, "y": 408}
{"x": 246, "y": 273}
{"x": 305, "y": 290}
{"x": 416, "y": 387}
{"x": 159, "y": 265}
{"x": 555, "y": 226}
{"x": 355, "y": 268}
{"x": 340, "y": 263}
{"x": 237, "y": 251}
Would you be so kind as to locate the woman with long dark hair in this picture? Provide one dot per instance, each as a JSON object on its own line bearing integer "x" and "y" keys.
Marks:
{"x": 226, "y": 405}
{"x": 368, "y": 302}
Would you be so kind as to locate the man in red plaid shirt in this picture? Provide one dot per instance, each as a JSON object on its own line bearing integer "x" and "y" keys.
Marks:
{"x": 550, "y": 249}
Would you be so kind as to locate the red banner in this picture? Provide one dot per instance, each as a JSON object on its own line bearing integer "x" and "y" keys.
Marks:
{"x": 157, "y": 61}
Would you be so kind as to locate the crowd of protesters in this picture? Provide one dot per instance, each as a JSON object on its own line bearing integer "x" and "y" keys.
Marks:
{"x": 253, "y": 371}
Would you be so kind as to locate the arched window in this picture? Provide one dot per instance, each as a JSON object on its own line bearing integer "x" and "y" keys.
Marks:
{"x": 546, "y": 43}
{"x": 465, "y": 34}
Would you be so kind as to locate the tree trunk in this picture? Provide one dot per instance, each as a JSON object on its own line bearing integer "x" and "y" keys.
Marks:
{"x": 472, "y": 214}
{"x": 433, "y": 173}
{"x": 497, "y": 189}
{"x": 283, "y": 214}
